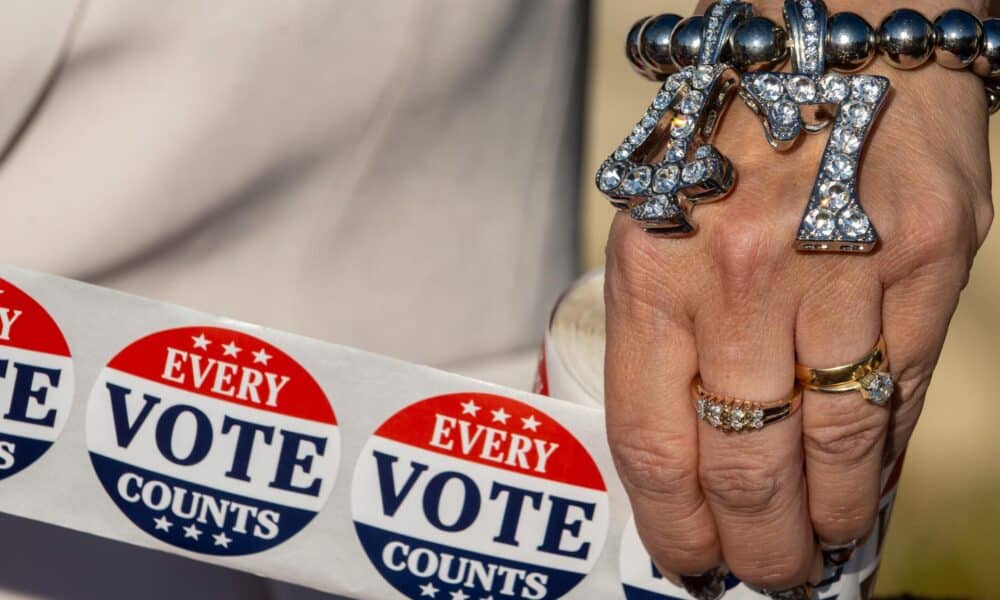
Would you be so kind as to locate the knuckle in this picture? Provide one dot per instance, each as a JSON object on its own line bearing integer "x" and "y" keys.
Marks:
{"x": 742, "y": 251}
{"x": 633, "y": 277}
{"x": 938, "y": 228}
{"x": 778, "y": 570}
{"x": 651, "y": 464}
{"x": 846, "y": 437}
{"x": 740, "y": 486}
{"x": 680, "y": 551}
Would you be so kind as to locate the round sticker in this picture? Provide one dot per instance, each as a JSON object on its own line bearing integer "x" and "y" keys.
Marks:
{"x": 36, "y": 380}
{"x": 470, "y": 496}
{"x": 212, "y": 440}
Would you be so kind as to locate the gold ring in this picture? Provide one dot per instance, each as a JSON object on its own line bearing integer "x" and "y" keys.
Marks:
{"x": 869, "y": 375}
{"x": 729, "y": 414}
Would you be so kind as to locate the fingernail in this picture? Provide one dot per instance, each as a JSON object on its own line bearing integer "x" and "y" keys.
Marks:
{"x": 837, "y": 555}
{"x": 800, "y": 592}
{"x": 710, "y": 585}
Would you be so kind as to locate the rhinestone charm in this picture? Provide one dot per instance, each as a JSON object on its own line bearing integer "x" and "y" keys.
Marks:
{"x": 878, "y": 388}
{"x": 833, "y": 219}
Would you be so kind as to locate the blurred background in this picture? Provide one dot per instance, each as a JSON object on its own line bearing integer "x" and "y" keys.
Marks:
{"x": 946, "y": 525}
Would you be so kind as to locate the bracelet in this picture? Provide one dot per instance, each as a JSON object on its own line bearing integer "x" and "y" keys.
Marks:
{"x": 657, "y": 46}
{"x": 667, "y": 165}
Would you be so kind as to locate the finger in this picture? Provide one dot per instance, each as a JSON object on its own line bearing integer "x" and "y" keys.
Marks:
{"x": 916, "y": 313}
{"x": 839, "y": 322}
{"x": 649, "y": 364}
{"x": 753, "y": 480}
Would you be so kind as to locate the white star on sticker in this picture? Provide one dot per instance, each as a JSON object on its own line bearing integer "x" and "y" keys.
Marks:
{"x": 530, "y": 423}
{"x": 470, "y": 408}
{"x": 231, "y": 349}
{"x": 201, "y": 342}
{"x": 261, "y": 356}
{"x": 459, "y": 595}
{"x": 162, "y": 523}
{"x": 192, "y": 531}
{"x": 500, "y": 416}
{"x": 221, "y": 539}
{"x": 428, "y": 589}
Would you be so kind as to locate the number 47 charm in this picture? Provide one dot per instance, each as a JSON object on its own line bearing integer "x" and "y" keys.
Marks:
{"x": 834, "y": 220}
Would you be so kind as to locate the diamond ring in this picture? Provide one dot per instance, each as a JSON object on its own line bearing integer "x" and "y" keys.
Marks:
{"x": 869, "y": 375}
{"x": 730, "y": 415}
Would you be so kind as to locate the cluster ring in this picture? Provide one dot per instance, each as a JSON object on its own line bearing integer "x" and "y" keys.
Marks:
{"x": 731, "y": 415}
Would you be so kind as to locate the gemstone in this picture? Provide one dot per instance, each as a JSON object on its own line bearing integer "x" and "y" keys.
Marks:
{"x": 819, "y": 223}
{"x": 656, "y": 208}
{"x": 857, "y": 113}
{"x": 665, "y": 179}
{"x": 648, "y": 122}
{"x": 786, "y": 113}
{"x": 692, "y": 102}
{"x": 677, "y": 150}
{"x": 801, "y": 89}
{"x": 637, "y": 138}
{"x": 704, "y": 151}
{"x": 811, "y": 39}
{"x": 880, "y": 388}
{"x": 623, "y": 151}
{"x": 715, "y": 415}
{"x": 834, "y": 88}
{"x": 637, "y": 181}
{"x": 736, "y": 418}
{"x": 702, "y": 77}
{"x": 661, "y": 101}
{"x": 694, "y": 172}
{"x": 852, "y": 223}
{"x": 611, "y": 176}
{"x": 682, "y": 126}
{"x": 808, "y": 13}
{"x": 867, "y": 89}
{"x": 640, "y": 130}
{"x": 846, "y": 140}
{"x": 839, "y": 167}
{"x": 718, "y": 10}
{"x": 833, "y": 195}
{"x": 713, "y": 22}
{"x": 810, "y": 26}
{"x": 768, "y": 87}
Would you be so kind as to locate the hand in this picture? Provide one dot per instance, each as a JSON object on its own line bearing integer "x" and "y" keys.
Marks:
{"x": 737, "y": 305}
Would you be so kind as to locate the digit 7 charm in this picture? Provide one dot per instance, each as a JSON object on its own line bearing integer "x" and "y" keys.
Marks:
{"x": 834, "y": 220}
{"x": 667, "y": 164}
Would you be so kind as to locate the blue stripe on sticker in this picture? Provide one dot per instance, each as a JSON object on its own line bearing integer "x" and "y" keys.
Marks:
{"x": 196, "y": 517}
{"x": 17, "y": 453}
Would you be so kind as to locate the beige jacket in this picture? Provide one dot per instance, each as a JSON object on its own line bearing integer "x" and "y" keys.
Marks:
{"x": 395, "y": 175}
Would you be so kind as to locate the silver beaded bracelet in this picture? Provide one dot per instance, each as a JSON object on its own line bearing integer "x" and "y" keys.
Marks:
{"x": 657, "y": 46}
{"x": 667, "y": 164}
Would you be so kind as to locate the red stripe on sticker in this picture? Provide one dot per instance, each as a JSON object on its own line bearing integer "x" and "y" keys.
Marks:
{"x": 228, "y": 365}
{"x": 498, "y": 432}
{"x": 26, "y": 325}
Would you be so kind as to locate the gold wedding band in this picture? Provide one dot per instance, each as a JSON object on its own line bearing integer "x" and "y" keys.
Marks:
{"x": 868, "y": 375}
{"x": 729, "y": 414}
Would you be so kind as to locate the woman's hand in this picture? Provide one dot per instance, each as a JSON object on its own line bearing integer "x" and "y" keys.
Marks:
{"x": 738, "y": 305}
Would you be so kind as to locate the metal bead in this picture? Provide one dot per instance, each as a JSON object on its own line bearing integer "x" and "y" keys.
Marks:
{"x": 685, "y": 42}
{"x": 654, "y": 43}
{"x": 987, "y": 64}
{"x": 850, "y": 42}
{"x": 758, "y": 44}
{"x": 906, "y": 39}
{"x": 993, "y": 97}
{"x": 959, "y": 36}
{"x": 632, "y": 50}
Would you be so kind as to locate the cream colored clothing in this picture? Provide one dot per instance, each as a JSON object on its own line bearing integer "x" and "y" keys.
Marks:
{"x": 395, "y": 175}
